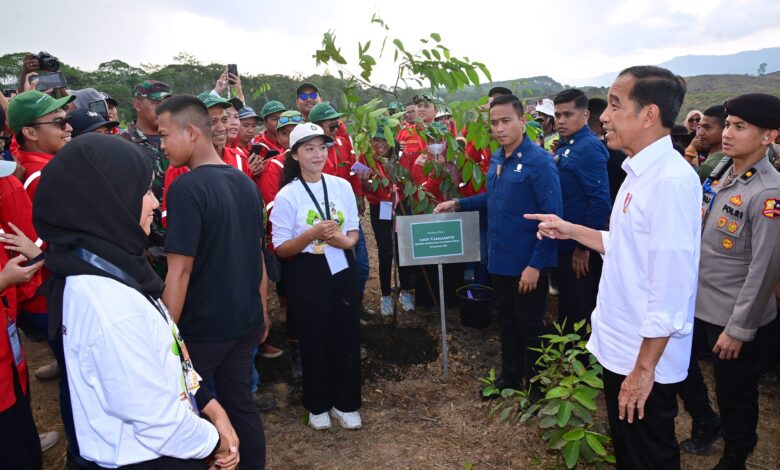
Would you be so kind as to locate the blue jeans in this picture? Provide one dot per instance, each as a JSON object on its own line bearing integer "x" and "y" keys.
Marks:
{"x": 361, "y": 258}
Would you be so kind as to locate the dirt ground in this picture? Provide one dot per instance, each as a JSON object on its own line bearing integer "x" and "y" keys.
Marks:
{"x": 411, "y": 417}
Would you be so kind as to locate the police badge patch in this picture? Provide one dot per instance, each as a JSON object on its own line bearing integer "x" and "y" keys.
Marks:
{"x": 771, "y": 208}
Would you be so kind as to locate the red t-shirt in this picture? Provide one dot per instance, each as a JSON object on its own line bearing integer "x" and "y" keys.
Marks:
{"x": 382, "y": 193}
{"x": 8, "y": 310}
{"x": 33, "y": 163}
{"x": 341, "y": 157}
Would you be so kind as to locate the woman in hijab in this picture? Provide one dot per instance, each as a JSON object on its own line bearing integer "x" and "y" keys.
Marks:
{"x": 135, "y": 396}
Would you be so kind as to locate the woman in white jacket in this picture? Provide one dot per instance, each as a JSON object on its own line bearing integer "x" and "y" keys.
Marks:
{"x": 135, "y": 396}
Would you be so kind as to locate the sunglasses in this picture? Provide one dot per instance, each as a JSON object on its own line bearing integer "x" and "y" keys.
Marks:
{"x": 308, "y": 96}
{"x": 334, "y": 127}
{"x": 62, "y": 122}
{"x": 287, "y": 119}
{"x": 694, "y": 119}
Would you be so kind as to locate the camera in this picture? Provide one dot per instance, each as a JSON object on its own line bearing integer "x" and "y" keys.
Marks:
{"x": 47, "y": 62}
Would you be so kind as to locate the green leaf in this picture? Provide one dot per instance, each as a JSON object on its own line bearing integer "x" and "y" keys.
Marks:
{"x": 558, "y": 392}
{"x": 593, "y": 381}
{"x": 436, "y": 37}
{"x": 586, "y": 392}
{"x": 507, "y": 392}
{"x": 374, "y": 184}
{"x": 490, "y": 390}
{"x": 399, "y": 44}
{"x": 556, "y": 440}
{"x": 580, "y": 412}
{"x": 595, "y": 444}
{"x": 435, "y": 54}
{"x": 473, "y": 76}
{"x": 574, "y": 434}
{"x": 564, "y": 413}
{"x": 552, "y": 407}
{"x": 548, "y": 422}
{"x": 571, "y": 453}
{"x": 610, "y": 459}
{"x": 426, "y": 54}
{"x": 467, "y": 171}
{"x": 485, "y": 71}
{"x": 505, "y": 414}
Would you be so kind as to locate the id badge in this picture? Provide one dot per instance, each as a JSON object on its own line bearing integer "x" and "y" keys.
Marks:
{"x": 16, "y": 345}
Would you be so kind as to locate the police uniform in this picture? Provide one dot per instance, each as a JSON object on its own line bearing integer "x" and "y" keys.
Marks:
{"x": 739, "y": 269}
{"x": 582, "y": 166}
{"x": 525, "y": 182}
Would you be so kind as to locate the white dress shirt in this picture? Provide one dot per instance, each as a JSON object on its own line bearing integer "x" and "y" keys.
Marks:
{"x": 651, "y": 264}
{"x": 125, "y": 381}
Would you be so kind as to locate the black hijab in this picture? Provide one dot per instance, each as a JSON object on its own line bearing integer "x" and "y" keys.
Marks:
{"x": 90, "y": 196}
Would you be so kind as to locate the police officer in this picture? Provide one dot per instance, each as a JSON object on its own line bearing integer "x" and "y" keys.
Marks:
{"x": 740, "y": 267}
{"x": 522, "y": 178}
{"x": 582, "y": 167}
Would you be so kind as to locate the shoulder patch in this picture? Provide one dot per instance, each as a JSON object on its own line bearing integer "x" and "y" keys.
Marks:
{"x": 771, "y": 208}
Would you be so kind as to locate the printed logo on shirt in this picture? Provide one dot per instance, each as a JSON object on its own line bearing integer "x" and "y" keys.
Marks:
{"x": 771, "y": 208}
{"x": 736, "y": 200}
{"x": 727, "y": 243}
{"x": 722, "y": 222}
{"x": 733, "y": 226}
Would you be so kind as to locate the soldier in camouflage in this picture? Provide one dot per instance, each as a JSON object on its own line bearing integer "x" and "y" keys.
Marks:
{"x": 143, "y": 132}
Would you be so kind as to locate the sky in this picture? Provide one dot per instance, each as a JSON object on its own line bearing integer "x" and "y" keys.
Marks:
{"x": 564, "y": 39}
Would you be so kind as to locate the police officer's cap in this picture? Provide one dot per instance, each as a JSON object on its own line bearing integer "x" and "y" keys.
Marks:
{"x": 759, "y": 109}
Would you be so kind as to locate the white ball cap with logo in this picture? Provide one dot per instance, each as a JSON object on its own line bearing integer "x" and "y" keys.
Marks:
{"x": 305, "y": 132}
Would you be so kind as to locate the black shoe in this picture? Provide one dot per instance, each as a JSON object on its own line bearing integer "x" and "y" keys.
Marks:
{"x": 295, "y": 362}
{"x": 731, "y": 461}
{"x": 504, "y": 383}
{"x": 703, "y": 436}
{"x": 264, "y": 402}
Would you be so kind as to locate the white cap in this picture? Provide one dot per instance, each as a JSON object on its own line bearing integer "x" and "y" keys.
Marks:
{"x": 306, "y": 131}
{"x": 7, "y": 167}
{"x": 547, "y": 107}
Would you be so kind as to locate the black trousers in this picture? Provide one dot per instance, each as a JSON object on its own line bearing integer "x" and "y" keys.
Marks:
{"x": 736, "y": 387}
{"x": 522, "y": 322}
{"x": 20, "y": 448}
{"x": 168, "y": 463}
{"x": 693, "y": 390}
{"x": 648, "y": 443}
{"x": 327, "y": 307}
{"x": 228, "y": 366}
{"x": 577, "y": 297}
{"x": 383, "y": 233}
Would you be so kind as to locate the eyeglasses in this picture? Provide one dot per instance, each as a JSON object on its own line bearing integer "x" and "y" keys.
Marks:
{"x": 62, "y": 122}
{"x": 288, "y": 119}
{"x": 694, "y": 119}
{"x": 334, "y": 127}
{"x": 308, "y": 96}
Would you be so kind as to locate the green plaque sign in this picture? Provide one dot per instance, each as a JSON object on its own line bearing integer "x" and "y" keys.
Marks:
{"x": 441, "y": 238}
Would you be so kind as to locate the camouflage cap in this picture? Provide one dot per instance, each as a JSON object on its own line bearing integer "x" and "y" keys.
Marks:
{"x": 152, "y": 89}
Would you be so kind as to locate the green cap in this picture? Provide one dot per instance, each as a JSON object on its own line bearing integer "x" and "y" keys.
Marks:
{"x": 323, "y": 112}
{"x": 272, "y": 107}
{"x": 28, "y": 106}
{"x": 304, "y": 86}
{"x": 294, "y": 118}
{"x": 152, "y": 89}
{"x": 380, "y": 133}
{"x": 437, "y": 129}
{"x": 212, "y": 100}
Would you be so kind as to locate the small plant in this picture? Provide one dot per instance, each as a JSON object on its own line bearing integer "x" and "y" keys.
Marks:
{"x": 570, "y": 378}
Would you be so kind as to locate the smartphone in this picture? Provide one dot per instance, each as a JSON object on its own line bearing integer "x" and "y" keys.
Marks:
{"x": 47, "y": 81}
{"x": 35, "y": 260}
{"x": 255, "y": 150}
{"x": 271, "y": 154}
{"x": 232, "y": 70}
{"x": 99, "y": 106}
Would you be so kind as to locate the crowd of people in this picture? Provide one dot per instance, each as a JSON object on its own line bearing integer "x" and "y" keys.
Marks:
{"x": 143, "y": 256}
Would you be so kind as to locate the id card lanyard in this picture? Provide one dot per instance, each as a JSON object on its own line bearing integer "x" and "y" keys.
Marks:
{"x": 326, "y": 214}
{"x": 16, "y": 344}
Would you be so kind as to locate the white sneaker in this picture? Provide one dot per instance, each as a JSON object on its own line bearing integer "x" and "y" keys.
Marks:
{"x": 350, "y": 420}
{"x": 386, "y": 304}
{"x": 407, "y": 302}
{"x": 320, "y": 421}
{"x": 48, "y": 372}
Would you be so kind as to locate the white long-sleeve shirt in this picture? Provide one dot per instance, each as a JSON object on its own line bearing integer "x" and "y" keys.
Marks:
{"x": 651, "y": 264}
{"x": 125, "y": 381}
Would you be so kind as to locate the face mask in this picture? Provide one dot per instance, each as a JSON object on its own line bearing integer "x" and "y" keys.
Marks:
{"x": 436, "y": 148}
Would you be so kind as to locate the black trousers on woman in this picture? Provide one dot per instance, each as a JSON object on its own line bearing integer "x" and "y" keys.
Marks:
{"x": 20, "y": 447}
{"x": 327, "y": 308}
{"x": 383, "y": 233}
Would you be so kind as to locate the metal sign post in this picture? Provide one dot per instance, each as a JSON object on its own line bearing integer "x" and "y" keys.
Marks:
{"x": 439, "y": 239}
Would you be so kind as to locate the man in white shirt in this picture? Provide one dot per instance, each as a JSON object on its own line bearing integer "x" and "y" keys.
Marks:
{"x": 643, "y": 319}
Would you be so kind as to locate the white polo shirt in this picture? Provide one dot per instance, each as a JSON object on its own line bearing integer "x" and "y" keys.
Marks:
{"x": 651, "y": 264}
